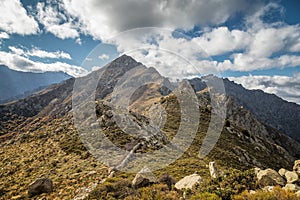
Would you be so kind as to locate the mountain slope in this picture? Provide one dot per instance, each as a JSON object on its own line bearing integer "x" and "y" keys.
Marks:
{"x": 268, "y": 108}
{"x": 38, "y": 136}
{"x": 16, "y": 84}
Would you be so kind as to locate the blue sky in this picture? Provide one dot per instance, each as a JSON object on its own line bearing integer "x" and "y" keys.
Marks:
{"x": 247, "y": 41}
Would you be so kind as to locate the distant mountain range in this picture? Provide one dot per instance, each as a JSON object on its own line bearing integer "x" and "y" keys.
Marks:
{"x": 268, "y": 108}
{"x": 16, "y": 84}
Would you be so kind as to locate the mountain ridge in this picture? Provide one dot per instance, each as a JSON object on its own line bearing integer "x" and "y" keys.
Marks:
{"x": 16, "y": 84}
{"x": 39, "y": 137}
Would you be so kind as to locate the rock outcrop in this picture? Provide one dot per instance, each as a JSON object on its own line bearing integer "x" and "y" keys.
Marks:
{"x": 282, "y": 172}
{"x": 144, "y": 178}
{"x": 214, "y": 171}
{"x": 39, "y": 186}
{"x": 291, "y": 177}
{"x": 291, "y": 187}
{"x": 269, "y": 177}
{"x": 296, "y": 167}
{"x": 289, "y": 180}
{"x": 188, "y": 182}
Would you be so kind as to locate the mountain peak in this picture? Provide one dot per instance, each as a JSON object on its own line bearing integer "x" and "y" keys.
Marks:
{"x": 125, "y": 59}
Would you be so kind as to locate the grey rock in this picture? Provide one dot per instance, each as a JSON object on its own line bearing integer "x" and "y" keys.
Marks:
{"x": 143, "y": 178}
{"x": 39, "y": 186}
{"x": 269, "y": 177}
{"x": 296, "y": 167}
{"x": 282, "y": 172}
{"x": 257, "y": 170}
{"x": 291, "y": 177}
{"x": 188, "y": 182}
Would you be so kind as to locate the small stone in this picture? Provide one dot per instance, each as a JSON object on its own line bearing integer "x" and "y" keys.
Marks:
{"x": 252, "y": 192}
{"x": 296, "y": 167}
{"x": 291, "y": 177}
{"x": 291, "y": 187}
{"x": 39, "y": 186}
{"x": 282, "y": 172}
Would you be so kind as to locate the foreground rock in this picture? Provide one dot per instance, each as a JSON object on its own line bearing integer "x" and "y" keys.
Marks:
{"x": 188, "y": 182}
{"x": 269, "y": 177}
{"x": 144, "y": 178}
{"x": 291, "y": 177}
{"x": 39, "y": 186}
{"x": 282, "y": 172}
{"x": 296, "y": 167}
{"x": 291, "y": 187}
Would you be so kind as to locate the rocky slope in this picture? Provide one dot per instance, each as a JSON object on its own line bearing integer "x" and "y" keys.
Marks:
{"x": 38, "y": 136}
{"x": 268, "y": 108}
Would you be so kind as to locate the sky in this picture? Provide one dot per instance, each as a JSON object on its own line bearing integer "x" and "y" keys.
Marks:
{"x": 255, "y": 43}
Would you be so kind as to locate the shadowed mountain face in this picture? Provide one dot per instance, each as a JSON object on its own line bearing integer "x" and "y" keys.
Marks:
{"x": 16, "y": 84}
{"x": 47, "y": 117}
{"x": 268, "y": 108}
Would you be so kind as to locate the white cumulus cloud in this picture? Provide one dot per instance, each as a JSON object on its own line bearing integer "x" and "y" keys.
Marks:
{"x": 103, "y": 57}
{"x": 21, "y": 63}
{"x": 15, "y": 19}
{"x": 40, "y": 53}
{"x": 56, "y": 22}
{"x": 287, "y": 87}
{"x": 102, "y": 19}
{"x": 4, "y": 35}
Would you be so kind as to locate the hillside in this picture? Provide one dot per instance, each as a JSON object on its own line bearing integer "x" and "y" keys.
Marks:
{"x": 40, "y": 137}
{"x": 16, "y": 84}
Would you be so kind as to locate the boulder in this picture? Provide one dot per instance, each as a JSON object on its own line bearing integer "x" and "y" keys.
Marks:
{"x": 214, "y": 171}
{"x": 144, "y": 178}
{"x": 269, "y": 177}
{"x": 296, "y": 167}
{"x": 291, "y": 177}
{"x": 188, "y": 182}
{"x": 39, "y": 186}
{"x": 291, "y": 187}
{"x": 282, "y": 172}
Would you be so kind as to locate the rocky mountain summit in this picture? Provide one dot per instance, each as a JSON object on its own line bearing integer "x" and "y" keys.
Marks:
{"x": 67, "y": 134}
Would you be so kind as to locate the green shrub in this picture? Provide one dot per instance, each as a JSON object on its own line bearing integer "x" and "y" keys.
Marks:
{"x": 234, "y": 182}
{"x": 114, "y": 188}
{"x": 205, "y": 196}
{"x": 277, "y": 194}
